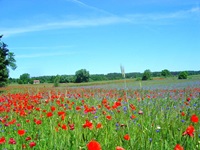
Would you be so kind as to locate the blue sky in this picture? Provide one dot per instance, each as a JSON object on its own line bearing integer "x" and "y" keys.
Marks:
{"x": 62, "y": 36}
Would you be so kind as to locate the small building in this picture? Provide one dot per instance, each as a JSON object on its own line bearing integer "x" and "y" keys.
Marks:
{"x": 36, "y": 81}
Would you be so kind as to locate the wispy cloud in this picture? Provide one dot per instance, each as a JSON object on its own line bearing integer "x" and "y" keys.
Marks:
{"x": 143, "y": 18}
{"x": 64, "y": 24}
{"x": 42, "y": 47}
{"x": 91, "y": 7}
{"x": 45, "y": 54}
{"x": 163, "y": 18}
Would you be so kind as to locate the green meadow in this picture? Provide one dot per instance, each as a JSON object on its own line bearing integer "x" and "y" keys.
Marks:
{"x": 159, "y": 114}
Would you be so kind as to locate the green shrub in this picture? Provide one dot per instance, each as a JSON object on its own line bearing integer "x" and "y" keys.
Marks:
{"x": 183, "y": 75}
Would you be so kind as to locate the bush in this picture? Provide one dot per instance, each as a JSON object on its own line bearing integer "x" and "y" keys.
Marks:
{"x": 183, "y": 75}
{"x": 165, "y": 73}
{"x": 146, "y": 75}
{"x": 56, "y": 81}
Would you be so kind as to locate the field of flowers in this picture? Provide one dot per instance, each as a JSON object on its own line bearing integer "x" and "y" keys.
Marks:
{"x": 99, "y": 118}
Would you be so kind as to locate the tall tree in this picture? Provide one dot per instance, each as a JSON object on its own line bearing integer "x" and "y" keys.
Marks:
{"x": 6, "y": 60}
{"x": 165, "y": 73}
{"x": 82, "y": 76}
{"x": 25, "y": 78}
{"x": 146, "y": 75}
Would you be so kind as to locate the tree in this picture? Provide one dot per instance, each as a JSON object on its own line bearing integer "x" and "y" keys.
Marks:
{"x": 165, "y": 73}
{"x": 82, "y": 76}
{"x": 25, "y": 78}
{"x": 6, "y": 60}
{"x": 183, "y": 75}
{"x": 146, "y": 75}
{"x": 56, "y": 81}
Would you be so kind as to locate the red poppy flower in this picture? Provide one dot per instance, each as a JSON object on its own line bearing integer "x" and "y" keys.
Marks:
{"x": 99, "y": 125}
{"x": 88, "y": 124}
{"x": 78, "y": 108}
{"x": 2, "y": 140}
{"x": 182, "y": 113}
{"x": 188, "y": 99}
{"x": 71, "y": 126}
{"x": 109, "y": 117}
{"x": 21, "y": 132}
{"x": 64, "y": 127}
{"x": 189, "y": 131}
{"x": 32, "y": 144}
{"x": 53, "y": 108}
{"x": 126, "y": 137}
{"x": 178, "y": 147}
{"x": 133, "y": 117}
{"x": 60, "y": 113}
{"x": 119, "y": 148}
{"x": 194, "y": 118}
{"x": 49, "y": 114}
{"x": 38, "y": 122}
{"x": 93, "y": 145}
{"x": 28, "y": 138}
{"x": 12, "y": 141}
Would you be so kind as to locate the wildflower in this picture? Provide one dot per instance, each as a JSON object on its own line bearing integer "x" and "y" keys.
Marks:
{"x": 21, "y": 132}
{"x": 188, "y": 99}
{"x": 189, "y": 131}
{"x": 71, "y": 126}
{"x": 64, "y": 127}
{"x": 133, "y": 117}
{"x": 23, "y": 146}
{"x": 78, "y": 108}
{"x": 93, "y": 145}
{"x": 182, "y": 113}
{"x": 126, "y": 137}
{"x": 2, "y": 140}
{"x": 88, "y": 124}
{"x": 53, "y": 108}
{"x": 108, "y": 117}
{"x": 125, "y": 109}
{"x": 49, "y": 114}
{"x": 194, "y": 118}
{"x": 99, "y": 125}
{"x": 178, "y": 147}
{"x": 60, "y": 113}
{"x": 28, "y": 138}
{"x": 32, "y": 144}
{"x": 119, "y": 148}
{"x": 140, "y": 112}
{"x": 38, "y": 122}
{"x": 12, "y": 141}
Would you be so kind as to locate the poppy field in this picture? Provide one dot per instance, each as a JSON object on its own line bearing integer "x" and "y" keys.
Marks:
{"x": 99, "y": 118}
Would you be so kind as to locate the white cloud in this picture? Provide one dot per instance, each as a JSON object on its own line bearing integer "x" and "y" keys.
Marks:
{"x": 45, "y": 54}
{"x": 64, "y": 24}
{"x": 91, "y": 7}
{"x": 163, "y": 18}
{"x": 143, "y": 18}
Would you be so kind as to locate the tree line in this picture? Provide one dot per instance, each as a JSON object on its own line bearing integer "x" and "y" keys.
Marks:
{"x": 83, "y": 75}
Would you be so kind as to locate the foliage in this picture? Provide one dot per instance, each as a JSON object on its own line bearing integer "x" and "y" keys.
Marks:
{"x": 146, "y": 75}
{"x": 183, "y": 75}
{"x": 82, "y": 118}
{"x": 56, "y": 81}
{"x": 82, "y": 76}
{"x": 24, "y": 78}
{"x": 165, "y": 73}
{"x": 6, "y": 60}
{"x": 98, "y": 77}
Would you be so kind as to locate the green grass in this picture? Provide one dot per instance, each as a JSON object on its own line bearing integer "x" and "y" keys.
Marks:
{"x": 159, "y": 127}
